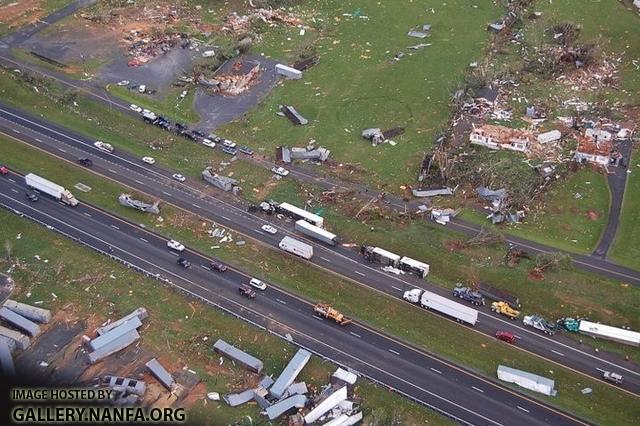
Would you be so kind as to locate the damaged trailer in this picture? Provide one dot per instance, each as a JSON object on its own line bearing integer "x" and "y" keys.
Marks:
{"x": 376, "y": 254}
{"x": 312, "y": 231}
{"x": 297, "y": 213}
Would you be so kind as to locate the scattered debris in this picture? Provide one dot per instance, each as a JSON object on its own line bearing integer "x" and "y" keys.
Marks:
{"x": 288, "y": 72}
{"x": 223, "y": 182}
{"x": 231, "y": 84}
{"x": 287, "y": 155}
{"x": 293, "y": 115}
{"x": 160, "y": 373}
{"x": 252, "y": 363}
{"x": 290, "y": 373}
{"x": 431, "y": 192}
{"x": 127, "y": 201}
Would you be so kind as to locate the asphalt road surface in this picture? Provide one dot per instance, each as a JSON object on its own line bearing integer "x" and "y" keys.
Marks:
{"x": 425, "y": 378}
{"x": 192, "y": 196}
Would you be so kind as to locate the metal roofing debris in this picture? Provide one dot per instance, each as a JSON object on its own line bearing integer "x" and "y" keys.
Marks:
{"x": 293, "y": 115}
{"x": 160, "y": 373}
{"x": 261, "y": 400}
{"x": 338, "y": 421}
{"x": 22, "y": 341}
{"x": 281, "y": 407}
{"x": 223, "y": 182}
{"x": 374, "y": 134}
{"x": 487, "y": 93}
{"x": 141, "y": 313}
{"x": 251, "y": 362}
{"x": 305, "y": 64}
{"x": 331, "y": 401}
{"x": 6, "y": 360}
{"x": 290, "y": 372}
{"x": 235, "y": 399}
{"x": 127, "y": 201}
{"x": 431, "y": 192}
{"x": 417, "y": 34}
{"x": 551, "y": 136}
{"x": 114, "y": 333}
{"x": 123, "y": 384}
{"x": 527, "y": 380}
{"x": 10, "y": 342}
{"x": 352, "y": 420}
{"x": 297, "y": 389}
{"x": 286, "y": 154}
{"x": 490, "y": 194}
{"x": 288, "y": 72}
{"x": 344, "y": 376}
{"x": 266, "y": 381}
{"x": 114, "y": 346}
{"x": 31, "y": 312}
{"x": 19, "y": 321}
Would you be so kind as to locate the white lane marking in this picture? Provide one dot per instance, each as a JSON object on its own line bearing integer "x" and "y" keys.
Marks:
{"x": 114, "y": 227}
{"x": 166, "y": 193}
{"x": 359, "y": 273}
{"x": 202, "y": 266}
{"x": 195, "y": 205}
{"x": 112, "y": 171}
{"x": 14, "y": 190}
{"x": 318, "y": 318}
{"x": 282, "y": 301}
{"x": 399, "y": 289}
{"x": 17, "y": 131}
{"x": 174, "y": 253}
{"x": 325, "y": 259}
{"x": 523, "y": 409}
{"x": 138, "y": 182}
{"x": 260, "y": 232}
{"x": 61, "y": 150}
{"x": 226, "y": 218}
{"x": 601, "y": 370}
{"x": 355, "y": 334}
{"x": 86, "y": 214}
{"x": 435, "y": 371}
{"x": 38, "y": 140}
{"x": 142, "y": 239}
{"x": 11, "y": 180}
{"x": 478, "y": 389}
{"x": 393, "y": 352}
{"x": 556, "y": 352}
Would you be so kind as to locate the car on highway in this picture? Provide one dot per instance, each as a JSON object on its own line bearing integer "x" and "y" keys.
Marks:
{"x": 612, "y": 377}
{"x": 31, "y": 196}
{"x": 4, "y": 170}
{"x": 178, "y": 177}
{"x": 135, "y": 108}
{"x": 280, "y": 171}
{"x": 505, "y": 336}
{"x": 214, "y": 137}
{"x": 230, "y": 151}
{"x": 104, "y": 147}
{"x": 217, "y": 266}
{"x": 87, "y": 162}
{"x": 148, "y": 160}
{"x": 184, "y": 262}
{"x": 142, "y": 88}
{"x": 209, "y": 143}
{"x": 254, "y": 282}
{"x": 247, "y": 291}
{"x": 268, "y": 228}
{"x": 199, "y": 133}
{"x": 175, "y": 245}
{"x": 245, "y": 150}
{"x": 123, "y": 83}
{"x": 228, "y": 143}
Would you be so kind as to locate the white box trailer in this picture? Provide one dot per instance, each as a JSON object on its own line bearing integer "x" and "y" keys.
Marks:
{"x": 296, "y": 247}
{"x": 429, "y": 300}
{"x": 288, "y": 72}
{"x": 50, "y": 188}
{"x": 315, "y": 232}
{"x": 608, "y": 332}
{"x": 297, "y": 213}
{"x": 376, "y": 254}
{"x": 413, "y": 266}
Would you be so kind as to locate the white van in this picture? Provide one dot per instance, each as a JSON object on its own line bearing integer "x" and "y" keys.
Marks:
{"x": 254, "y": 282}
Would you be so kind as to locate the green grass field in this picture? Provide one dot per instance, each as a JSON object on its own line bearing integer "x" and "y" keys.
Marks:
{"x": 480, "y": 353}
{"x": 626, "y": 247}
{"x": 171, "y": 107}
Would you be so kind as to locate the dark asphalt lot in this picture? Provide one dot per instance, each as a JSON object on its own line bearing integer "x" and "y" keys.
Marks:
{"x": 435, "y": 383}
{"x": 190, "y": 196}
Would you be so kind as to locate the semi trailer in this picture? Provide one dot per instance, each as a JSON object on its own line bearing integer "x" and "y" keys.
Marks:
{"x": 52, "y": 189}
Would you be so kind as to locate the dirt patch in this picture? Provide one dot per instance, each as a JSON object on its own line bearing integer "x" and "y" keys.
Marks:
{"x": 454, "y": 245}
{"x": 592, "y": 215}
{"x": 19, "y": 13}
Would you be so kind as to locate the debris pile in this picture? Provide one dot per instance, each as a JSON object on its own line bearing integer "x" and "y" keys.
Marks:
{"x": 231, "y": 84}
{"x": 143, "y": 47}
{"x": 127, "y": 201}
{"x": 377, "y": 136}
{"x": 223, "y": 182}
{"x": 113, "y": 337}
{"x": 308, "y": 153}
{"x": 293, "y": 115}
{"x": 241, "y": 24}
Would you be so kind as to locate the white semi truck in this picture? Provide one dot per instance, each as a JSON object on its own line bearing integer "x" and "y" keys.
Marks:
{"x": 54, "y": 190}
{"x": 320, "y": 234}
{"x": 429, "y": 300}
{"x": 296, "y": 247}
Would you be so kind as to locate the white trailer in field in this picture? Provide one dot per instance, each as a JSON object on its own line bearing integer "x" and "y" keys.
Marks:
{"x": 608, "y": 332}
{"x": 429, "y": 300}
{"x": 315, "y": 232}
{"x": 52, "y": 189}
{"x": 296, "y": 247}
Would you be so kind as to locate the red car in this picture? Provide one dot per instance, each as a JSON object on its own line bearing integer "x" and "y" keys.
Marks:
{"x": 506, "y": 336}
{"x": 4, "y": 170}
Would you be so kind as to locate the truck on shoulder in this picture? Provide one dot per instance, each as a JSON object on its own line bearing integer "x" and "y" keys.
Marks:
{"x": 52, "y": 189}
{"x": 539, "y": 323}
{"x": 466, "y": 293}
{"x": 316, "y": 232}
{"x": 326, "y": 311}
{"x": 428, "y": 300}
{"x": 504, "y": 309}
{"x": 296, "y": 247}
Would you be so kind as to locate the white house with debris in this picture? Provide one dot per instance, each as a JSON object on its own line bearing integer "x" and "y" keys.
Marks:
{"x": 498, "y": 137}
{"x": 549, "y": 137}
{"x": 598, "y": 135}
{"x": 594, "y": 151}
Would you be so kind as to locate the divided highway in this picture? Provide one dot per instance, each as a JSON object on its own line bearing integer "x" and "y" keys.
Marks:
{"x": 453, "y": 391}
{"x": 193, "y": 196}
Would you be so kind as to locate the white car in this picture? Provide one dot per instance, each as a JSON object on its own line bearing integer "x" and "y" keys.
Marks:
{"x": 134, "y": 107}
{"x": 209, "y": 143}
{"x": 148, "y": 160}
{"x": 183, "y": 94}
{"x": 254, "y": 282}
{"x": 123, "y": 83}
{"x": 178, "y": 177}
{"x": 175, "y": 245}
{"x": 105, "y": 147}
{"x": 268, "y": 228}
{"x": 229, "y": 144}
{"x": 280, "y": 171}
{"x": 142, "y": 88}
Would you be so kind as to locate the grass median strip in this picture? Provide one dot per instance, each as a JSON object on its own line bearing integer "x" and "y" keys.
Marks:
{"x": 476, "y": 351}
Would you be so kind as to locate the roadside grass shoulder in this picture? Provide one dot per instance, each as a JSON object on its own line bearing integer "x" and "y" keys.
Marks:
{"x": 626, "y": 247}
{"x": 170, "y": 106}
{"x": 481, "y": 354}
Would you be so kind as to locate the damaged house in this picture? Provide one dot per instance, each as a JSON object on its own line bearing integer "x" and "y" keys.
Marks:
{"x": 498, "y": 137}
{"x": 594, "y": 151}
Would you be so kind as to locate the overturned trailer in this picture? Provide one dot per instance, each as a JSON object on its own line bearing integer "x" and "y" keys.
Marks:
{"x": 315, "y": 232}
{"x": 223, "y": 182}
{"x": 297, "y": 213}
{"x": 413, "y": 266}
{"x": 127, "y": 201}
{"x": 376, "y": 254}
{"x": 607, "y": 332}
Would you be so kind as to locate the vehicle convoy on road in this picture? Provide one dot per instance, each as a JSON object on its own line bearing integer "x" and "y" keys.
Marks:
{"x": 428, "y": 300}
{"x": 465, "y": 293}
{"x": 313, "y": 231}
{"x": 539, "y": 323}
{"x": 326, "y": 311}
{"x": 54, "y": 190}
{"x": 504, "y": 309}
{"x": 296, "y": 247}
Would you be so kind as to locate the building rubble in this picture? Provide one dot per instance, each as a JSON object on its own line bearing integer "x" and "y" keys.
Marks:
{"x": 127, "y": 201}
{"x": 230, "y": 84}
{"x": 377, "y": 136}
{"x": 308, "y": 153}
{"x": 241, "y": 24}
